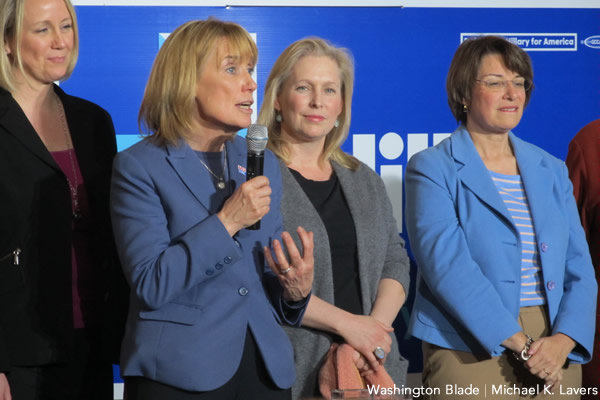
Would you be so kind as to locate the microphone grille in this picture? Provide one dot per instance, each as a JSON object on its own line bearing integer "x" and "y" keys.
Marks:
{"x": 256, "y": 138}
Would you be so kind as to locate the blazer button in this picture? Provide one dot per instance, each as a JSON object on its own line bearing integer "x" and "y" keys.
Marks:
{"x": 242, "y": 291}
{"x": 227, "y": 260}
{"x": 218, "y": 266}
{"x": 210, "y": 271}
{"x": 544, "y": 247}
{"x": 551, "y": 285}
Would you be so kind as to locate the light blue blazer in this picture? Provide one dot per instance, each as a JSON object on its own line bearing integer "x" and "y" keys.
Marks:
{"x": 469, "y": 251}
{"x": 195, "y": 290}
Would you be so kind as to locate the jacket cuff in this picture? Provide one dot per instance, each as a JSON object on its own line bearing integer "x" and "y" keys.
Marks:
{"x": 293, "y": 312}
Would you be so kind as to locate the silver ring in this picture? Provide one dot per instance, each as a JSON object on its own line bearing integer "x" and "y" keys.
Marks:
{"x": 285, "y": 271}
{"x": 379, "y": 353}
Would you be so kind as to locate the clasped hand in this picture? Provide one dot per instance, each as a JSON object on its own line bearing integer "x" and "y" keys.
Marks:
{"x": 548, "y": 355}
{"x": 364, "y": 333}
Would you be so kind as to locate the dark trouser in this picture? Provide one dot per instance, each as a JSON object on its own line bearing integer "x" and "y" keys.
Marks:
{"x": 86, "y": 377}
{"x": 250, "y": 382}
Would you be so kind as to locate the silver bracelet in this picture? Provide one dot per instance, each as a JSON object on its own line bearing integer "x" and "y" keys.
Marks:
{"x": 524, "y": 355}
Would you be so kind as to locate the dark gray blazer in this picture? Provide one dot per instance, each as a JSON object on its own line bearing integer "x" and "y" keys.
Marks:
{"x": 381, "y": 254}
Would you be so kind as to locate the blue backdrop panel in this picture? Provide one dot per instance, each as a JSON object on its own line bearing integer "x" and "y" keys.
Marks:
{"x": 402, "y": 56}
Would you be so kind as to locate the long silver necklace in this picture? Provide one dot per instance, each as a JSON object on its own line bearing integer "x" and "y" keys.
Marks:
{"x": 77, "y": 215}
{"x": 220, "y": 179}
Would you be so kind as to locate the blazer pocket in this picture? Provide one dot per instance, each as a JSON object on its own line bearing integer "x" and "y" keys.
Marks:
{"x": 13, "y": 257}
{"x": 11, "y": 271}
{"x": 179, "y": 313}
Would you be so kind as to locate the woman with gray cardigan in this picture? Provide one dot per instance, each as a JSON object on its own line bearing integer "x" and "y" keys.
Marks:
{"x": 361, "y": 266}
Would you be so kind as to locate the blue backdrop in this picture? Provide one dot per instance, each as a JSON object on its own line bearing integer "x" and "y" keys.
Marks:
{"x": 402, "y": 56}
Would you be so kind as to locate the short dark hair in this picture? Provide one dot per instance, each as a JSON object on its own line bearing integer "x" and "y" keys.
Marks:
{"x": 467, "y": 61}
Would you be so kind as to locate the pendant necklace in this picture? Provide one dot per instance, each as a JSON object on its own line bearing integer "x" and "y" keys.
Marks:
{"x": 77, "y": 215}
{"x": 221, "y": 179}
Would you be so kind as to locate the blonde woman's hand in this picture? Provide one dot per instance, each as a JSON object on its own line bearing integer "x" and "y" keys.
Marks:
{"x": 295, "y": 275}
{"x": 365, "y": 333}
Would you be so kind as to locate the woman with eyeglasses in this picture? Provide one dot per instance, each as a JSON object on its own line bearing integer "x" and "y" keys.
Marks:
{"x": 506, "y": 297}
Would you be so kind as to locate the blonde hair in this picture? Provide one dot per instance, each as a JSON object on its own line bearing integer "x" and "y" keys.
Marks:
{"x": 281, "y": 71}
{"x": 167, "y": 109}
{"x": 12, "y": 14}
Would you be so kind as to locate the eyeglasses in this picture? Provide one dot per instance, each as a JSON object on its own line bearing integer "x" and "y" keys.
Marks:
{"x": 499, "y": 85}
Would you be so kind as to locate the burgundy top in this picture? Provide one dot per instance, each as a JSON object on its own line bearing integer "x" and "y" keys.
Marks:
{"x": 82, "y": 285}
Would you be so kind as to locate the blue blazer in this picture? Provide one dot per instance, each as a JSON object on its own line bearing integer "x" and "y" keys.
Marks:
{"x": 195, "y": 291}
{"x": 469, "y": 251}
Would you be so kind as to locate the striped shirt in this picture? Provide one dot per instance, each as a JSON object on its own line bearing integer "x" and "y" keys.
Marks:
{"x": 512, "y": 192}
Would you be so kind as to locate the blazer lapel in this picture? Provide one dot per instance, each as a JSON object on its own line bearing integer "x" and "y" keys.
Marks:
{"x": 236, "y": 161}
{"x": 15, "y": 122}
{"x": 537, "y": 180}
{"x": 360, "y": 218}
{"x": 361, "y": 221}
{"x": 303, "y": 207}
{"x": 83, "y": 141}
{"x": 297, "y": 210}
{"x": 196, "y": 176}
{"x": 474, "y": 175}
{"x": 191, "y": 171}
{"x": 345, "y": 177}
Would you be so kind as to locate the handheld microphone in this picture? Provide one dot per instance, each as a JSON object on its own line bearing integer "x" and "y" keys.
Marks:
{"x": 256, "y": 140}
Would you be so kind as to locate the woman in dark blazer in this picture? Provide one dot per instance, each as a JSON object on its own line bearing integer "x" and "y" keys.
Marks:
{"x": 56, "y": 249}
{"x": 361, "y": 267}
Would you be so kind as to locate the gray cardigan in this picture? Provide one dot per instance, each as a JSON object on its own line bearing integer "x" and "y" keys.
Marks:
{"x": 381, "y": 254}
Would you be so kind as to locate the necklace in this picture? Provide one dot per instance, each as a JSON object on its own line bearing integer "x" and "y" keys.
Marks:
{"x": 221, "y": 179}
{"x": 70, "y": 149}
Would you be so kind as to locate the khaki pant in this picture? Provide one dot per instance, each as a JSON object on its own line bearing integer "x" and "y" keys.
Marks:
{"x": 462, "y": 375}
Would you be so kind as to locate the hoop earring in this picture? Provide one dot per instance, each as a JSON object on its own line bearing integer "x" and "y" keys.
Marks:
{"x": 336, "y": 123}
{"x": 278, "y": 117}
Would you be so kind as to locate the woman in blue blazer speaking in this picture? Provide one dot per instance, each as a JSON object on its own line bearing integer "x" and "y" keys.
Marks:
{"x": 205, "y": 312}
{"x": 505, "y": 302}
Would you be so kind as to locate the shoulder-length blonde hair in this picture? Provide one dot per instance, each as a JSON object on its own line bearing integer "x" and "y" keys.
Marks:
{"x": 12, "y": 14}
{"x": 168, "y": 105}
{"x": 281, "y": 71}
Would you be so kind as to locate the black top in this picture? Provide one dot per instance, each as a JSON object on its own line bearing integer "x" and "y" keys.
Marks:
{"x": 328, "y": 199}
